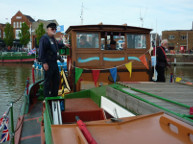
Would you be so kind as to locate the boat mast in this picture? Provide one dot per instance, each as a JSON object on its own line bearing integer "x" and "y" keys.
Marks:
{"x": 155, "y": 73}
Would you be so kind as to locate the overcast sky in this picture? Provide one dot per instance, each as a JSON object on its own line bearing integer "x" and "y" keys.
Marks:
{"x": 170, "y": 15}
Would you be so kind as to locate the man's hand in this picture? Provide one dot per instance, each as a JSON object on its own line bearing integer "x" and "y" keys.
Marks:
{"x": 46, "y": 67}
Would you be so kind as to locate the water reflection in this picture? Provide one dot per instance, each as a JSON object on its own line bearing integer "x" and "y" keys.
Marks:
{"x": 12, "y": 84}
{"x": 185, "y": 72}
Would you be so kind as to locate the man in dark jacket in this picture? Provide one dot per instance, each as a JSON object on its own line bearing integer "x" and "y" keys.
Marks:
{"x": 48, "y": 49}
{"x": 161, "y": 60}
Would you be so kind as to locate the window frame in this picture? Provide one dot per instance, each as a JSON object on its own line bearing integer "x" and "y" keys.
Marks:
{"x": 183, "y": 37}
{"x": 17, "y": 31}
{"x": 126, "y": 42}
{"x": 113, "y": 38}
{"x": 171, "y": 37}
{"x": 91, "y": 48}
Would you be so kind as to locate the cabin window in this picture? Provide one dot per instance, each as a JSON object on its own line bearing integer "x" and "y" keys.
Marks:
{"x": 112, "y": 41}
{"x": 87, "y": 40}
{"x": 136, "y": 41}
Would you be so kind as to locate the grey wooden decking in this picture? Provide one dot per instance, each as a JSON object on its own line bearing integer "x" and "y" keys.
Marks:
{"x": 172, "y": 91}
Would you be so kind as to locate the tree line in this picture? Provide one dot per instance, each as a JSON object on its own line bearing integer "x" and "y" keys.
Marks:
{"x": 24, "y": 35}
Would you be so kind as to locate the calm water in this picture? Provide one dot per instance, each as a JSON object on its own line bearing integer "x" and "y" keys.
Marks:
{"x": 13, "y": 80}
{"x": 185, "y": 72}
{"x": 12, "y": 84}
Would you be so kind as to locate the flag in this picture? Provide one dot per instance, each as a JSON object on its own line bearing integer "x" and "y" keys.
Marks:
{"x": 144, "y": 61}
{"x": 78, "y": 72}
{"x": 60, "y": 28}
{"x": 1, "y": 122}
{"x": 5, "y": 134}
{"x": 129, "y": 67}
{"x": 33, "y": 51}
{"x": 95, "y": 74}
{"x": 113, "y": 72}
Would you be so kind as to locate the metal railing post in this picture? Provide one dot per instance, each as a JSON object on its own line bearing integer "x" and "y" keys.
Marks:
{"x": 12, "y": 124}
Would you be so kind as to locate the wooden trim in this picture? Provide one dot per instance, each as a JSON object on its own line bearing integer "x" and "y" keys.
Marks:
{"x": 80, "y": 137}
{"x": 99, "y": 40}
{"x": 73, "y": 37}
{"x": 106, "y": 27}
{"x": 131, "y": 51}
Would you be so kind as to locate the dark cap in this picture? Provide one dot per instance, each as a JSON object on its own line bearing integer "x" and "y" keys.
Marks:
{"x": 52, "y": 25}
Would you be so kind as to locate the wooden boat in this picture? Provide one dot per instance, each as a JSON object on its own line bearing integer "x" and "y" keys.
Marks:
{"x": 131, "y": 44}
{"x": 106, "y": 113}
{"x": 17, "y": 57}
{"x": 106, "y": 120}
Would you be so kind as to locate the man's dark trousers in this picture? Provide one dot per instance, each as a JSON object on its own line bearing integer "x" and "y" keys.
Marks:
{"x": 51, "y": 80}
{"x": 161, "y": 74}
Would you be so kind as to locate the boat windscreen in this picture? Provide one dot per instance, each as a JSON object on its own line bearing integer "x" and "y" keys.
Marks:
{"x": 87, "y": 40}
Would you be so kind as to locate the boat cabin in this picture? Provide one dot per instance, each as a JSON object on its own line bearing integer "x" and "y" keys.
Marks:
{"x": 103, "y": 47}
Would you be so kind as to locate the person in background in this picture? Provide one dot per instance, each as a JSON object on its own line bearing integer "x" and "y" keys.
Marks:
{"x": 161, "y": 58}
{"x": 113, "y": 45}
{"x": 48, "y": 55}
{"x": 83, "y": 43}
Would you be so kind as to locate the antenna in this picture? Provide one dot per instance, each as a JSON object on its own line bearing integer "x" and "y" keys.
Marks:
{"x": 81, "y": 15}
{"x": 141, "y": 19}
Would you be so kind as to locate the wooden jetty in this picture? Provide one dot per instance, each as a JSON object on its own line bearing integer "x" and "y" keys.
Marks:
{"x": 150, "y": 97}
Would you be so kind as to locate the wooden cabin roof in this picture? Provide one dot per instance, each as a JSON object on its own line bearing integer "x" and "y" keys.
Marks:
{"x": 107, "y": 28}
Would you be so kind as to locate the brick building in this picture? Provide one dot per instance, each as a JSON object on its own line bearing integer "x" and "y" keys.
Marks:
{"x": 2, "y": 35}
{"x": 16, "y": 22}
{"x": 179, "y": 40}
